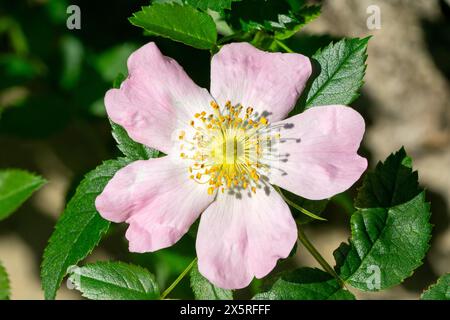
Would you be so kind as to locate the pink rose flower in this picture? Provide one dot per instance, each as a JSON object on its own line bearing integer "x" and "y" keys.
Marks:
{"x": 225, "y": 149}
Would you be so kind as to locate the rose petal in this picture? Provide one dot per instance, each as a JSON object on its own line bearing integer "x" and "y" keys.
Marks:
{"x": 269, "y": 82}
{"x": 318, "y": 152}
{"x": 242, "y": 237}
{"x": 157, "y": 98}
{"x": 157, "y": 199}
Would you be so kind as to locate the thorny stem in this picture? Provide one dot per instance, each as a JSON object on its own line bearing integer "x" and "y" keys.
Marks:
{"x": 313, "y": 251}
{"x": 177, "y": 280}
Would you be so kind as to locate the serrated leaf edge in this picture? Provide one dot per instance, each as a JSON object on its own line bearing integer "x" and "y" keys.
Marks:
{"x": 8, "y": 284}
{"x": 431, "y": 286}
{"x": 100, "y": 263}
{"x": 346, "y": 280}
{"x": 50, "y": 241}
{"x": 364, "y": 42}
{"x": 134, "y": 17}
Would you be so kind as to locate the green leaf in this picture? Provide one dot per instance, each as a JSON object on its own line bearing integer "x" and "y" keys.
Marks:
{"x": 205, "y": 290}
{"x": 390, "y": 239}
{"x": 344, "y": 201}
{"x": 342, "y": 68}
{"x": 278, "y": 18}
{"x": 72, "y": 55}
{"x": 438, "y": 291}
{"x": 297, "y": 20}
{"x": 391, "y": 242}
{"x": 180, "y": 23}
{"x": 113, "y": 61}
{"x": 215, "y": 5}
{"x": 118, "y": 80}
{"x": 130, "y": 148}
{"x": 114, "y": 281}
{"x": 309, "y": 44}
{"x": 393, "y": 182}
{"x": 16, "y": 186}
{"x": 79, "y": 229}
{"x": 4, "y": 284}
{"x": 306, "y": 284}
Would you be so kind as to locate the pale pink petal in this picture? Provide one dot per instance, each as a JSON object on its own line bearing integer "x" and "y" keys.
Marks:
{"x": 240, "y": 237}
{"x": 269, "y": 82}
{"x": 318, "y": 152}
{"x": 156, "y": 98}
{"x": 157, "y": 199}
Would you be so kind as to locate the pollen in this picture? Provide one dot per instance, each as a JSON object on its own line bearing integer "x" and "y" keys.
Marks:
{"x": 228, "y": 147}
{"x": 263, "y": 120}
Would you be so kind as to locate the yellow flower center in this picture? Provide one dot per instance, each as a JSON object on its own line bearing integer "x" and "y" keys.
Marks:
{"x": 228, "y": 148}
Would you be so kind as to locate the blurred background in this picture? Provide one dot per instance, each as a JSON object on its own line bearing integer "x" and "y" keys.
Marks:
{"x": 52, "y": 120}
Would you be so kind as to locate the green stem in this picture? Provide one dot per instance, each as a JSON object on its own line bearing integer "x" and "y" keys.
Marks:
{"x": 313, "y": 251}
{"x": 177, "y": 280}
{"x": 297, "y": 207}
{"x": 284, "y": 46}
{"x": 258, "y": 39}
{"x": 230, "y": 37}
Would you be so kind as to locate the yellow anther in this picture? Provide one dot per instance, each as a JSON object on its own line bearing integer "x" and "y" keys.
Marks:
{"x": 263, "y": 120}
{"x": 225, "y": 147}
